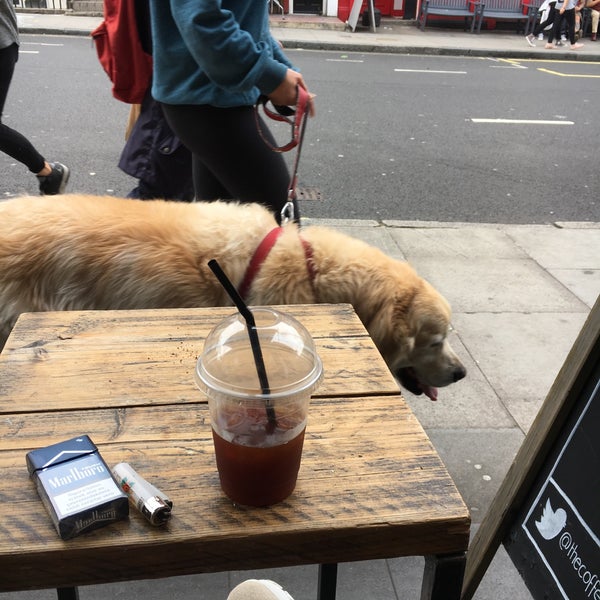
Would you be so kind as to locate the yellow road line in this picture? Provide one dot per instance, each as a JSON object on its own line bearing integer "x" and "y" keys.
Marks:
{"x": 579, "y": 75}
{"x": 516, "y": 62}
{"x": 548, "y": 60}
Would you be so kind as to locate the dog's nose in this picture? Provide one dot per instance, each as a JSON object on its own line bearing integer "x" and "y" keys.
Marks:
{"x": 459, "y": 373}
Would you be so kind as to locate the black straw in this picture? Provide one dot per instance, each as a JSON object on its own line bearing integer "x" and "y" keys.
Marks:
{"x": 252, "y": 333}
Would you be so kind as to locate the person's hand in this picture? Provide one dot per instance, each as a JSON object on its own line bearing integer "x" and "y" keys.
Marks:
{"x": 285, "y": 93}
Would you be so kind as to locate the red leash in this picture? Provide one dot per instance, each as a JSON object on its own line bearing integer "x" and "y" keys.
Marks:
{"x": 297, "y": 120}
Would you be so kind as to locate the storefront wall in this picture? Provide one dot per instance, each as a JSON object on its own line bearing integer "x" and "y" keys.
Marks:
{"x": 341, "y": 8}
{"x": 388, "y": 8}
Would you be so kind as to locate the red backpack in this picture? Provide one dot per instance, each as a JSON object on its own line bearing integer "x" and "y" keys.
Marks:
{"x": 120, "y": 51}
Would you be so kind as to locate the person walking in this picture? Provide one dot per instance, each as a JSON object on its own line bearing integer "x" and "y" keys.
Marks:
{"x": 152, "y": 153}
{"x": 565, "y": 9}
{"x": 52, "y": 176}
{"x": 548, "y": 7}
{"x": 213, "y": 59}
{"x": 156, "y": 157}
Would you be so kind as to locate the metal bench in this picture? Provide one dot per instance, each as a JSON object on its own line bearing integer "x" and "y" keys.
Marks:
{"x": 449, "y": 8}
{"x": 523, "y": 13}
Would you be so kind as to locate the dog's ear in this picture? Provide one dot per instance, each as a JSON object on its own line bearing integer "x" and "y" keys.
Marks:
{"x": 390, "y": 328}
{"x": 431, "y": 305}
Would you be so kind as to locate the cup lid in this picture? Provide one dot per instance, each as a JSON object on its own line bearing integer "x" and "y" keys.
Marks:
{"x": 292, "y": 364}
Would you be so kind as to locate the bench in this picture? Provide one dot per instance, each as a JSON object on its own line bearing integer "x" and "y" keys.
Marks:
{"x": 449, "y": 8}
{"x": 523, "y": 12}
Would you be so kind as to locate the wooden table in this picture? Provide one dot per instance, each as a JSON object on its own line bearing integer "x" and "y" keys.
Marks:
{"x": 371, "y": 485}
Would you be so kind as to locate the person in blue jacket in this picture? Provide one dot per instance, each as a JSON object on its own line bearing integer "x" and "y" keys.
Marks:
{"x": 212, "y": 61}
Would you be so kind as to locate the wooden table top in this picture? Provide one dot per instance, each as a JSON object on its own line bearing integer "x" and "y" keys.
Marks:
{"x": 370, "y": 485}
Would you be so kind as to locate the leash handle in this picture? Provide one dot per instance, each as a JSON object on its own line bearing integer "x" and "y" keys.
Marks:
{"x": 298, "y": 124}
{"x": 296, "y": 118}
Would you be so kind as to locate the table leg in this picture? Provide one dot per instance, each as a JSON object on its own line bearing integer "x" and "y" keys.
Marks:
{"x": 327, "y": 581}
{"x": 443, "y": 577}
{"x": 71, "y": 593}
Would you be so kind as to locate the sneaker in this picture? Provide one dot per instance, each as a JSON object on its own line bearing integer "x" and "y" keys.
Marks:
{"x": 55, "y": 183}
{"x": 550, "y": 46}
{"x": 530, "y": 39}
{"x": 576, "y": 46}
{"x": 559, "y": 42}
{"x": 259, "y": 588}
{"x": 541, "y": 37}
{"x": 563, "y": 38}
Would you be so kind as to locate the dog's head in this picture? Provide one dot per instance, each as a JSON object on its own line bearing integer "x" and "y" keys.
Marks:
{"x": 405, "y": 316}
{"x": 410, "y": 327}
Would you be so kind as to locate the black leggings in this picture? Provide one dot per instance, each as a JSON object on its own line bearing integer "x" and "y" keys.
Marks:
{"x": 12, "y": 142}
{"x": 549, "y": 20}
{"x": 230, "y": 158}
{"x": 569, "y": 17}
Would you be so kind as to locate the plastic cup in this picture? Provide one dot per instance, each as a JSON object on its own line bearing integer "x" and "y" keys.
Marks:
{"x": 258, "y": 437}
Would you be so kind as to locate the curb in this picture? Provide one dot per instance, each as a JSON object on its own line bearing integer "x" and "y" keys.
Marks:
{"x": 433, "y": 51}
{"x": 53, "y": 31}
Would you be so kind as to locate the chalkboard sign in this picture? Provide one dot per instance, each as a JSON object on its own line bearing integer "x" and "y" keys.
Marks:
{"x": 547, "y": 510}
{"x": 555, "y": 542}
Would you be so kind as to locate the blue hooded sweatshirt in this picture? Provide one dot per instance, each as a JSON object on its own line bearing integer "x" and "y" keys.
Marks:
{"x": 216, "y": 52}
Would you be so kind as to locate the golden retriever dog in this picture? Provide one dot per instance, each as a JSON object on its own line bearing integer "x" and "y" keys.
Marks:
{"x": 77, "y": 252}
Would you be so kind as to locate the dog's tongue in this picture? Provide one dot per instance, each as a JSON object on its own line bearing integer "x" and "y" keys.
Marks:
{"x": 408, "y": 378}
{"x": 430, "y": 391}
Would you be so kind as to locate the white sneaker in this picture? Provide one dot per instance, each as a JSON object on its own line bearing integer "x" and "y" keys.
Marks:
{"x": 258, "y": 589}
{"x": 541, "y": 37}
{"x": 530, "y": 40}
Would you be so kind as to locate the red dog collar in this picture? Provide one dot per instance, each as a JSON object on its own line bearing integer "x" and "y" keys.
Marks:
{"x": 261, "y": 253}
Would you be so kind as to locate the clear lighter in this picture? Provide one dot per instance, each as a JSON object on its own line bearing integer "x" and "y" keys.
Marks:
{"x": 149, "y": 500}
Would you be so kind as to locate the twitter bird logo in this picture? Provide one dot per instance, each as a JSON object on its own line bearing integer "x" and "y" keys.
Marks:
{"x": 551, "y": 523}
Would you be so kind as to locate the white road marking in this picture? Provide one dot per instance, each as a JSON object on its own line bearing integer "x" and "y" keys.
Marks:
{"x": 522, "y": 121}
{"x": 511, "y": 64}
{"x": 430, "y": 71}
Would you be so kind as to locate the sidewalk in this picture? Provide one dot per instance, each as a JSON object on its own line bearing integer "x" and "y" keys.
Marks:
{"x": 394, "y": 35}
{"x": 398, "y": 36}
{"x": 520, "y": 295}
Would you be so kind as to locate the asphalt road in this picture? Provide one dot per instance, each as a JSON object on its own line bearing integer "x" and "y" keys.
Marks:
{"x": 395, "y": 137}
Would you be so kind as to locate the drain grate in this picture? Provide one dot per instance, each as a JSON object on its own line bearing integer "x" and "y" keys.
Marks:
{"x": 308, "y": 193}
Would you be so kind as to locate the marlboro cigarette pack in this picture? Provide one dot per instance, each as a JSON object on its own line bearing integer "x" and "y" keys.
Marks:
{"x": 76, "y": 486}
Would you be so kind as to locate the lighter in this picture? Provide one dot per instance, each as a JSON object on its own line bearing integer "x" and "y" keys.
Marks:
{"x": 149, "y": 500}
